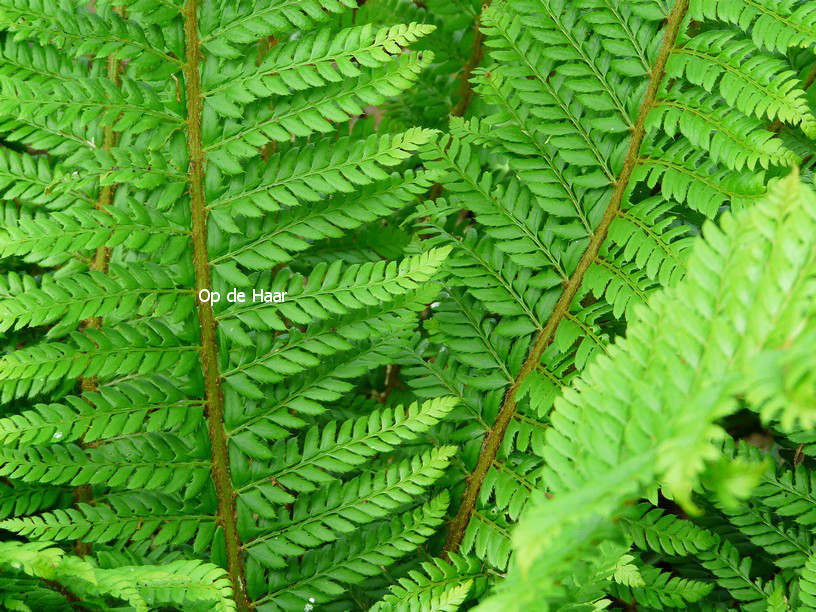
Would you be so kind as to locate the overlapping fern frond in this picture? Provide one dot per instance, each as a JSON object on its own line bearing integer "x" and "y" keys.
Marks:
{"x": 505, "y": 360}
{"x": 157, "y": 151}
{"x": 613, "y": 131}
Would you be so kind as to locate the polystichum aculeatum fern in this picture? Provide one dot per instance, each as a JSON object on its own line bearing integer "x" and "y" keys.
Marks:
{"x": 542, "y": 332}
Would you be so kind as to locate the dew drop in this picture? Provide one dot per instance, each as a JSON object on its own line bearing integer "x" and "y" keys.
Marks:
{"x": 58, "y": 435}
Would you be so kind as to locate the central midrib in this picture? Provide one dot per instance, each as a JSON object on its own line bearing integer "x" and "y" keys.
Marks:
{"x": 495, "y": 437}
{"x": 214, "y": 398}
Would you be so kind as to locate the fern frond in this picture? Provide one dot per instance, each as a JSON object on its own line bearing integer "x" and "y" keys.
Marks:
{"x": 181, "y": 583}
{"x": 662, "y": 590}
{"x": 177, "y": 582}
{"x": 101, "y": 34}
{"x": 47, "y": 239}
{"x": 309, "y": 393}
{"x": 649, "y": 237}
{"x": 74, "y": 141}
{"x": 442, "y": 376}
{"x": 318, "y": 577}
{"x": 125, "y": 349}
{"x": 321, "y": 57}
{"x": 789, "y": 546}
{"x": 38, "y": 64}
{"x": 337, "y": 450}
{"x": 143, "y": 404}
{"x": 807, "y": 585}
{"x": 315, "y": 171}
{"x": 132, "y": 106}
{"x": 30, "y": 179}
{"x": 507, "y": 214}
{"x": 158, "y": 135}
{"x": 755, "y": 83}
{"x": 774, "y": 26}
{"x": 558, "y": 25}
{"x": 332, "y": 291}
{"x": 622, "y": 285}
{"x": 734, "y": 574}
{"x": 123, "y": 516}
{"x": 790, "y": 493}
{"x": 149, "y": 461}
{"x": 473, "y": 338}
{"x": 21, "y": 499}
{"x": 495, "y": 280}
{"x": 125, "y": 289}
{"x": 687, "y": 176}
{"x": 24, "y": 595}
{"x": 311, "y": 112}
{"x": 299, "y": 228}
{"x": 614, "y": 147}
{"x": 443, "y": 585}
{"x": 564, "y": 439}
{"x": 339, "y": 508}
{"x": 224, "y": 28}
{"x": 485, "y": 221}
{"x": 735, "y": 141}
{"x": 653, "y": 529}
{"x": 296, "y": 351}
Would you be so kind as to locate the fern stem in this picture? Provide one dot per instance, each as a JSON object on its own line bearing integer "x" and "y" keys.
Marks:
{"x": 74, "y": 601}
{"x": 102, "y": 256}
{"x": 214, "y": 398}
{"x": 83, "y": 494}
{"x": 465, "y": 93}
{"x": 494, "y": 438}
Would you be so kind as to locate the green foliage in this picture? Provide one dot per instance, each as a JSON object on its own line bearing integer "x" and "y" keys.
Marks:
{"x": 192, "y": 584}
{"x": 549, "y": 277}
{"x": 441, "y": 585}
{"x": 200, "y": 435}
{"x": 611, "y": 132}
{"x": 615, "y": 459}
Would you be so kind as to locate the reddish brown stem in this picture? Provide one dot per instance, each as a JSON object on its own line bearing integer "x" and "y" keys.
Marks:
{"x": 495, "y": 436}
{"x": 214, "y": 397}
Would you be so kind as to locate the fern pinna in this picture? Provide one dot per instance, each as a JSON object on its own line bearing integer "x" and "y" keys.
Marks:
{"x": 157, "y": 153}
{"x": 504, "y": 368}
{"x": 612, "y": 131}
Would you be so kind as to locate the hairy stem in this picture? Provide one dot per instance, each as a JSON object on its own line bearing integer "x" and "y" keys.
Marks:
{"x": 83, "y": 494}
{"x": 102, "y": 256}
{"x": 494, "y": 437}
{"x": 214, "y": 397}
